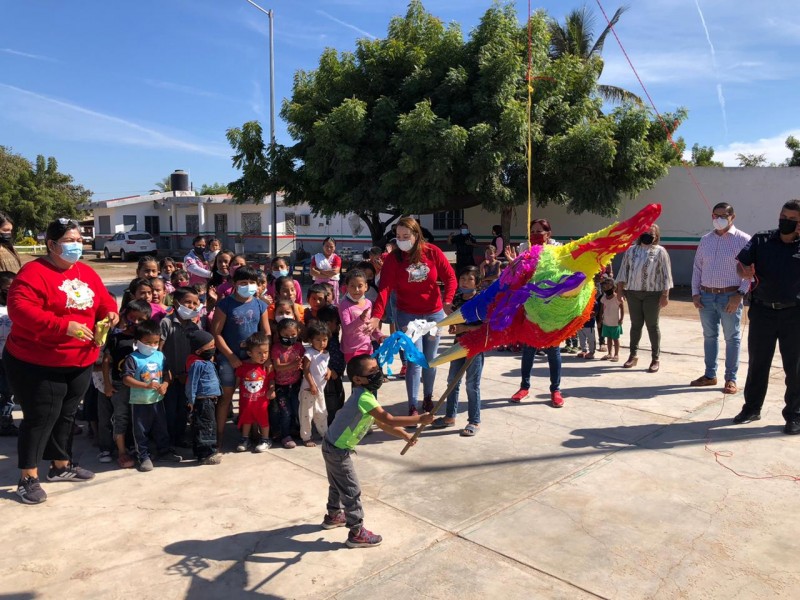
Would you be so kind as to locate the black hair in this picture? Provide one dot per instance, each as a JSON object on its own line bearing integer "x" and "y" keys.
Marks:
{"x": 139, "y": 282}
{"x": 354, "y": 274}
{"x": 6, "y": 277}
{"x": 180, "y": 293}
{"x": 356, "y": 368}
{"x": 471, "y": 270}
{"x": 141, "y": 306}
{"x": 329, "y": 313}
{"x": 317, "y": 288}
{"x": 284, "y": 302}
{"x": 198, "y": 238}
{"x": 724, "y": 205}
{"x": 315, "y": 329}
{"x": 144, "y": 260}
{"x": 279, "y": 281}
{"x": 365, "y": 265}
{"x": 375, "y": 251}
{"x": 259, "y": 338}
{"x": 178, "y": 274}
{"x": 217, "y": 277}
{"x": 166, "y": 261}
{"x": 245, "y": 273}
{"x": 792, "y": 205}
{"x": 148, "y": 327}
{"x": 497, "y": 230}
{"x": 8, "y": 244}
{"x": 328, "y": 239}
{"x": 276, "y": 259}
{"x": 153, "y": 281}
{"x": 58, "y": 228}
{"x": 286, "y": 323}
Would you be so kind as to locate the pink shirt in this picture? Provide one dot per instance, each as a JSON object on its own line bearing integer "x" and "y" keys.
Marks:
{"x": 355, "y": 318}
{"x": 280, "y": 352}
{"x": 610, "y": 310}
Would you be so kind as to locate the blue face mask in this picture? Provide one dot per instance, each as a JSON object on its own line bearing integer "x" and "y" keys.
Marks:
{"x": 280, "y": 273}
{"x": 71, "y": 251}
{"x": 464, "y": 231}
{"x": 246, "y": 290}
{"x": 466, "y": 291}
{"x": 144, "y": 349}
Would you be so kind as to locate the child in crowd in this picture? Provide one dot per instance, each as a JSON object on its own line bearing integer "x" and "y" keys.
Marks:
{"x": 202, "y": 393}
{"x": 143, "y": 373}
{"x": 263, "y": 292}
{"x": 334, "y": 389}
{"x": 280, "y": 268}
{"x": 236, "y": 318}
{"x": 179, "y": 278}
{"x": 376, "y": 258}
{"x": 586, "y": 334}
{"x": 372, "y": 289}
{"x": 146, "y": 268}
{"x": 256, "y": 379}
{"x": 7, "y": 427}
{"x": 469, "y": 280}
{"x": 317, "y": 298}
{"x": 490, "y": 267}
{"x": 167, "y": 266}
{"x": 225, "y": 288}
{"x": 119, "y": 345}
{"x": 285, "y": 290}
{"x": 176, "y": 328}
{"x": 283, "y": 309}
{"x": 352, "y": 422}
{"x": 312, "y": 390}
{"x": 212, "y": 251}
{"x": 613, "y": 315}
{"x": 326, "y": 267}
{"x": 287, "y": 360}
{"x": 142, "y": 289}
{"x": 355, "y": 312}
{"x": 160, "y": 298}
{"x": 220, "y": 273}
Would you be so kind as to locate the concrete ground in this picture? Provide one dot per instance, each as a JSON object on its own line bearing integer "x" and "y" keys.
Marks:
{"x": 640, "y": 487}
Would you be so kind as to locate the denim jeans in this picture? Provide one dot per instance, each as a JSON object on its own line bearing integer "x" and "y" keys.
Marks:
{"x": 204, "y": 427}
{"x": 553, "y": 361}
{"x": 473, "y": 379}
{"x": 712, "y": 313}
{"x": 429, "y": 346}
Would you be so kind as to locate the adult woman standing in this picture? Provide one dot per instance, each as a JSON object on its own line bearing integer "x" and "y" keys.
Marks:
{"x": 195, "y": 263}
{"x": 412, "y": 271}
{"x": 9, "y": 259}
{"x": 54, "y": 303}
{"x": 326, "y": 266}
{"x": 644, "y": 280}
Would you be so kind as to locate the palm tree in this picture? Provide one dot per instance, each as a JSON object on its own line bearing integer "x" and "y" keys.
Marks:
{"x": 575, "y": 37}
{"x": 162, "y": 186}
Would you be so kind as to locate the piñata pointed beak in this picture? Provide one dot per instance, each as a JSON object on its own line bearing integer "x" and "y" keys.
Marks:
{"x": 453, "y": 353}
{"x": 454, "y": 318}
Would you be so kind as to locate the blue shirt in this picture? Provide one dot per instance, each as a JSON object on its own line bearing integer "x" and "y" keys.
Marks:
{"x": 147, "y": 369}
{"x": 242, "y": 319}
{"x": 202, "y": 380}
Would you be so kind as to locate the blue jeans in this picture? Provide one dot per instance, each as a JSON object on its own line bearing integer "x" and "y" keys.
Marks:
{"x": 711, "y": 315}
{"x": 429, "y": 346}
{"x": 473, "y": 377}
{"x": 553, "y": 361}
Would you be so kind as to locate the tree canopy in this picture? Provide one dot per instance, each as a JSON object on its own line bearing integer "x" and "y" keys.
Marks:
{"x": 210, "y": 189}
{"x": 751, "y": 160}
{"x": 424, "y": 120}
{"x": 703, "y": 156}
{"x": 793, "y": 144}
{"x": 33, "y": 194}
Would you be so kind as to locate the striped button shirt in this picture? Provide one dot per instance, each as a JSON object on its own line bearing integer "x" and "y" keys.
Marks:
{"x": 645, "y": 269}
{"x": 715, "y": 261}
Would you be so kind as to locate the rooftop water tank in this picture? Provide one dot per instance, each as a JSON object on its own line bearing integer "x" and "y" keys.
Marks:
{"x": 179, "y": 181}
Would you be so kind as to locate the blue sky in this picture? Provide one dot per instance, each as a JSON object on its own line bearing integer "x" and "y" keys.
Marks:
{"x": 122, "y": 93}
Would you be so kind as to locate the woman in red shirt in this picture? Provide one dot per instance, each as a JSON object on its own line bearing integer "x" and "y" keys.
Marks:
{"x": 54, "y": 305}
{"x": 412, "y": 270}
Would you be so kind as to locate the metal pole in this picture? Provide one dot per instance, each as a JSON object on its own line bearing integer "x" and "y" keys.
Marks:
{"x": 272, "y": 131}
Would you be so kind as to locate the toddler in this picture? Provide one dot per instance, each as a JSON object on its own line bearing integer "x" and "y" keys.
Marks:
{"x": 490, "y": 267}
{"x": 317, "y": 298}
{"x": 256, "y": 388}
{"x": 312, "y": 390}
{"x": 179, "y": 278}
{"x": 613, "y": 315}
{"x": 287, "y": 360}
{"x": 202, "y": 392}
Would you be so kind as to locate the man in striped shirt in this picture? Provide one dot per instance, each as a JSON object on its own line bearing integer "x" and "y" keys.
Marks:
{"x": 717, "y": 292}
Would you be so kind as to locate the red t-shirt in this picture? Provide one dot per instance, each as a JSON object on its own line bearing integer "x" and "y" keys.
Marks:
{"x": 416, "y": 287}
{"x": 43, "y": 300}
{"x": 254, "y": 382}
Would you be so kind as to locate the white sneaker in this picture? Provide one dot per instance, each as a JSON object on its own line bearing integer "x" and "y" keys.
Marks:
{"x": 244, "y": 445}
{"x": 263, "y": 445}
{"x": 105, "y": 457}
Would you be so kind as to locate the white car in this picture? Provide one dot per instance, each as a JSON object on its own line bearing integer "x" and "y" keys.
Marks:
{"x": 128, "y": 244}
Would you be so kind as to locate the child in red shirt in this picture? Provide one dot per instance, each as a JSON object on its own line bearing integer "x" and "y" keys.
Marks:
{"x": 256, "y": 380}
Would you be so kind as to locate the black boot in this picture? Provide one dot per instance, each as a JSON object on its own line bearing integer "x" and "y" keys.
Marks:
{"x": 7, "y": 427}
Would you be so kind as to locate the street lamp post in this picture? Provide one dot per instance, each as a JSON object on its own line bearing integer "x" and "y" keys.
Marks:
{"x": 274, "y": 208}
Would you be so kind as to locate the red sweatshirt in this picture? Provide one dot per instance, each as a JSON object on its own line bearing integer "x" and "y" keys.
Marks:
{"x": 416, "y": 287}
{"x": 43, "y": 300}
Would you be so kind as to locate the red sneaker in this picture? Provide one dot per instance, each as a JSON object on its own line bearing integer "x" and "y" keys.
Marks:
{"x": 331, "y": 522}
{"x": 556, "y": 398}
{"x": 402, "y": 372}
{"x": 363, "y": 539}
{"x": 521, "y": 393}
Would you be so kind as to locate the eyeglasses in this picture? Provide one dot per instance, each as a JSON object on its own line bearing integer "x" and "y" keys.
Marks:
{"x": 66, "y": 221}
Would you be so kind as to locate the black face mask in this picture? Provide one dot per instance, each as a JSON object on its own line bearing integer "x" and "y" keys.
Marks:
{"x": 207, "y": 354}
{"x": 646, "y": 238}
{"x": 199, "y": 251}
{"x": 374, "y": 381}
{"x": 786, "y": 226}
{"x": 6, "y": 237}
{"x": 289, "y": 341}
{"x": 608, "y": 293}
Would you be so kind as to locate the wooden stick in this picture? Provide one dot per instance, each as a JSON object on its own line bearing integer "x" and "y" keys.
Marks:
{"x": 450, "y": 387}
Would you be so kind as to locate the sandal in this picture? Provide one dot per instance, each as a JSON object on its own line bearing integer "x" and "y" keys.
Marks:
{"x": 614, "y": 359}
{"x": 125, "y": 462}
{"x": 309, "y": 444}
{"x": 730, "y": 387}
{"x": 607, "y": 357}
{"x": 589, "y": 356}
{"x": 288, "y": 442}
{"x": 581, "y": 355}
{"x": 470, "y": 430}
{"x": 441, "y": 423}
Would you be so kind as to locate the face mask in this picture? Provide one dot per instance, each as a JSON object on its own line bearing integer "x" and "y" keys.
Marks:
{"x": 608, "y": 293}
{"x": 289, "y": 341}
{"x": 279, "y": 318}
{"x": 719, "y": 224}
{"x": 464, "y": 231}
{"x": 71, "y": 251}
{"x": 185, "y": 313}
{"x": 349, "y": 296}
{"x": 207, "y": 354}
{"x": 405, "y": 245}
{"x": 198, "y": 250}
{"x": 647, "y": 238}
{"x": 144, "y": 349}
{"x": 280, "y": 273}
{"x": 374, "y": 381}
{"x": 786, "y": 226}
{"x": 465, "y": 291}
{"x": 247, "y": 290}
{"x": 537, "y": 239}
{"x": 6, "y": 237}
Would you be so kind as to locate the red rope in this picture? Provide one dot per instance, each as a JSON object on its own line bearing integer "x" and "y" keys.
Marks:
{"x": 658, "y": 114}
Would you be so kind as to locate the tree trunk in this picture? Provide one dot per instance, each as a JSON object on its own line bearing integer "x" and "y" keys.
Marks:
{"x": 505, "y": 222}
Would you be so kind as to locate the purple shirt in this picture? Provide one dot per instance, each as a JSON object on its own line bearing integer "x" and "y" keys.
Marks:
{"x": 715, "y": 261}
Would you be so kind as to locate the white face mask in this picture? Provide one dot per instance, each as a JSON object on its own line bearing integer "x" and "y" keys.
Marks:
{"x": 279, "y": 318}
{"x": 720, "y": 224}
{"x": 144, "y": 349}
{"x": 405, "y": 245}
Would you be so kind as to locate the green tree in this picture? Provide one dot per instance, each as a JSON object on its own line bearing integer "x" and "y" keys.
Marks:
{"x": 211, "y": 189}
{"x": 34, "y": 194}
{"x": 703, "y": 156}
{"x": 576, "y": 38}
{"x": 793, "y": 144}
{"x": 751, "y": 160}
{"x": 423, "y": 121}
{"x": 165, "y": 185}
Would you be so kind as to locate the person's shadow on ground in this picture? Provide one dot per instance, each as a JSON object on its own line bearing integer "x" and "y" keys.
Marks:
{"x": 255, "y": 546}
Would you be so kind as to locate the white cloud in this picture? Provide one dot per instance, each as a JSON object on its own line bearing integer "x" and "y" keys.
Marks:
{"x": 27, "y": 55}
{"x": 774, "y": 148}
{"x": 185, "y": 89}
{"x": 345, "y": 24}
{"x": 69, "y": 121}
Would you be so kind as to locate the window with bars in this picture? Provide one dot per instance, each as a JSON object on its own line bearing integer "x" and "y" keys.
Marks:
{"x": 251, "y": 223}
{"x": 192, "y": 224}
{"x": 448, "y": 220}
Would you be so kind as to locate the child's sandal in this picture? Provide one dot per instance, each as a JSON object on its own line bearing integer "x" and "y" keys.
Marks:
{"x": 309, "y": 444}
